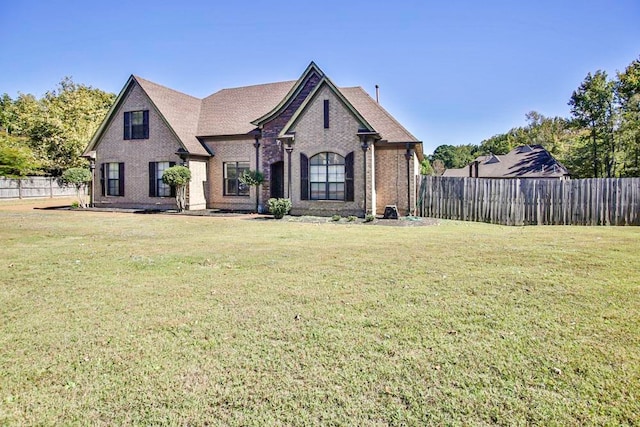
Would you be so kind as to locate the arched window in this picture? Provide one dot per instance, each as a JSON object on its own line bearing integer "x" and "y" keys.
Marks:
{"x": 327, "y": 177}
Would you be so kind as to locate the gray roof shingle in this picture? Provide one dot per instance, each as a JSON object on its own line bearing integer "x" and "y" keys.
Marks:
{"x": 383, "y": 122}
{"x": 231, "y": 111}
{"x": 526, "y": 161}
{"x": 180, "y": 110}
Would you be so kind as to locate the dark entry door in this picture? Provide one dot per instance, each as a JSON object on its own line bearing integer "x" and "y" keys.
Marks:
{"x": 277, "y": 180}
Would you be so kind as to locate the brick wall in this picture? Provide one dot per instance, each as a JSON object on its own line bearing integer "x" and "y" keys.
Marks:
{"x": 136, "y": 155}
{"x": 229, "y": 150}
{"x": 391, "y": 177}
{"x": 341, "y": 138}
{"x": 271, "y": 151}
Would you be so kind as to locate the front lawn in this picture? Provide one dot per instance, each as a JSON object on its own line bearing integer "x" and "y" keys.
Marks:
{"x": 115, "y": 319}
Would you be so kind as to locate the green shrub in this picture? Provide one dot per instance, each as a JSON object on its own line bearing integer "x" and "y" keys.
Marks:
{"x": 279, "y": 207}
{"x": 75, "y": 204}
{"x": 336, "y": 218}
{"x": 369, "y": 218}
{"x": 351, "y": 218}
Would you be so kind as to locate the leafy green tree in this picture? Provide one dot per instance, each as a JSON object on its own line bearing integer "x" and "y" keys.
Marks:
{"x": 178, "y": 177}
{"x": 16, "y": 158}
{"x": 71, "y": 115}
{"x": 592, "y": 106}
{"x": 628, "y": 93}
{"x": 78, "y": 178}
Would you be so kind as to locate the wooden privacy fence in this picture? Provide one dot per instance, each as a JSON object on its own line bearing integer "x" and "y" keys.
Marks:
{"x": 33, "y": 186}
{"x": 595, "y": 201}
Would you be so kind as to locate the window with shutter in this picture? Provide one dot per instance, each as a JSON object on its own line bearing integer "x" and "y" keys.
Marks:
{"x": 327, "y": 177}
{"x": 113, "y": 181}
{"x": 157, "y": 187}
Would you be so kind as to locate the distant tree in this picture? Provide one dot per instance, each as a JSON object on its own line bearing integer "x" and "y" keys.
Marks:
{"x": 438, "y": 167}
{"x": 454, "y": 156}
{"x": 500, "y": 144}
{"x": 178, "y": 177}
{"x": 425, "y": 167}
{"x": 78, "y": 178}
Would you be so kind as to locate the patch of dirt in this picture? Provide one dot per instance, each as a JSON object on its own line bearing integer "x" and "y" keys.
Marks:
{"x": 65, "y": 203}
{"x": 411, "y": 221}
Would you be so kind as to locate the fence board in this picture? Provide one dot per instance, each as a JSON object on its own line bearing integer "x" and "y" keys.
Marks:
{"x": 593, "y": 201}
{"x": 32, "y": 187}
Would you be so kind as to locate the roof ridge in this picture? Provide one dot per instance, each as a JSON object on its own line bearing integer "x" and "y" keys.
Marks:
{"x": 138, "y": 78}
{"x": 226, "y": 89}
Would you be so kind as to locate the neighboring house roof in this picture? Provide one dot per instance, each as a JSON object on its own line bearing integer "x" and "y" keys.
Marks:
{"x": 237, "y": 111}
{"x": 527, "y": 161}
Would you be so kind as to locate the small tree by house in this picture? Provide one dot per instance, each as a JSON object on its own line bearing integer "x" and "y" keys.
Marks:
{"x": 252, "y": 178}
{"x": 79, "y": 178}
{"x": 178, "y": 177}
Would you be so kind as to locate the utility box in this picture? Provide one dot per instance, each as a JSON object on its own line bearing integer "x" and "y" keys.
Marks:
{"x": 390, "y": 212}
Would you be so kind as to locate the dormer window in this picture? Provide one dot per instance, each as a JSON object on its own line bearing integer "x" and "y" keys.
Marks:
{"x": 136, "y": 124}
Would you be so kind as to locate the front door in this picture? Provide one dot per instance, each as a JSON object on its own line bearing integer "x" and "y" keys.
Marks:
{"x": 277, "y": 180}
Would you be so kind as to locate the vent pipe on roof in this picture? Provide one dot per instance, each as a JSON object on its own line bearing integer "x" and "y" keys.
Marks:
{"x": 378, "y": 94}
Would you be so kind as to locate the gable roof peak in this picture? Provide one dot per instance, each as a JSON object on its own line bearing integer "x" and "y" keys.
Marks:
{"x": 311, "y": 69}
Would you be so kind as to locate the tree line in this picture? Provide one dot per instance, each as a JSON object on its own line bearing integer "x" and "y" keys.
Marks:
{"x": 600, "y": 139}
{"x": 46, "y": 136}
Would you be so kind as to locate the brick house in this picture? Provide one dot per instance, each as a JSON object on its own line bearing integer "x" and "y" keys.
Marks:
{"x": 330, "y": 150}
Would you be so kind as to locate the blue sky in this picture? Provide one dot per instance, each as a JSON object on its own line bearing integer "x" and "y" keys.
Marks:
{"x": 453, "y": 72}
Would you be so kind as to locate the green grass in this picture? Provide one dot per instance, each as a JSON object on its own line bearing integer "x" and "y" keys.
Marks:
{"x": 115, "y": 319}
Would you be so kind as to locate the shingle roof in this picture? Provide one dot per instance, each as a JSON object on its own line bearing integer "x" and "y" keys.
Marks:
{"x": 180, "y": 110}
{"x": 230, "y": 111}
{"x": 383, "y": 122}
{"x": 527, "y": 161}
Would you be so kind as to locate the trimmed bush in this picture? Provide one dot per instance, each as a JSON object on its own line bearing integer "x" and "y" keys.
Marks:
{"x": 178, "y": 177}
{"x": 279, "y": 207}
{"x": 78, "y": 178}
